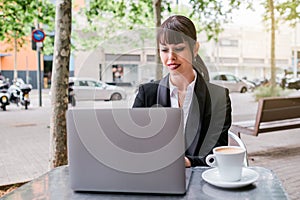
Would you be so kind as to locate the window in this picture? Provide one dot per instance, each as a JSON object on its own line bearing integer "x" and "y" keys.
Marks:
{"x": 228, "y": 60}
{"x": 150, "y": 58}
{"x": 229, "y": 43}
{"x": 223, "y": 78}
{"x": 231, "y": 78}
{"x": 91, "y": 83}
{"x": 220, "y": 77}
{"x": 253, "y": 60}
{"x": 82, "y": 83}
{"x": 124, "y": 57}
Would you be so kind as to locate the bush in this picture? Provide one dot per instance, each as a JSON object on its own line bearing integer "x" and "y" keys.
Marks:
{"x": 265, "y": 91}
{"x": 9, "y": 188}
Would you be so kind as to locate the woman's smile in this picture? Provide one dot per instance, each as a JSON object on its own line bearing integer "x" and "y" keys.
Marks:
{"x": 173, "y": 66}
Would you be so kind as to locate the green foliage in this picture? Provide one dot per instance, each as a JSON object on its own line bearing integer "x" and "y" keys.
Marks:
{"x": 48, "y": 45}
{"x": 20, "y": 15}
{"x": 209, "y": 15}
{"x": 212, "y": 14}
{"x": 268, "y": 91}
{"x": 289, "y": 11}
{"x": 108, "y": 19}
{"x": 129, "y": 12}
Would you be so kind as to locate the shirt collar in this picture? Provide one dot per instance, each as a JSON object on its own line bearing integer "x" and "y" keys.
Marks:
{"x": 174, "y": 89}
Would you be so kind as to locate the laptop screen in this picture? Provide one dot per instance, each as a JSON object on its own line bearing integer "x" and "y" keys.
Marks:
{"x": 129, "y": 144}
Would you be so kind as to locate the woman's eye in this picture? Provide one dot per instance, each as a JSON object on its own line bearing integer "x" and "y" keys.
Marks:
{"x": 179, "y": 49}
{"x": 164, "y": 50}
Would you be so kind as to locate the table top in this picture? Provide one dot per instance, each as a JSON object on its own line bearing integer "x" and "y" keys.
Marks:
{"x": 55, "y": 185}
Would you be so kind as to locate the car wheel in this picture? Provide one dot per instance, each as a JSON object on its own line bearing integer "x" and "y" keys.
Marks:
{"x": 243, "y": 90}
{"x": 115, "y": 96}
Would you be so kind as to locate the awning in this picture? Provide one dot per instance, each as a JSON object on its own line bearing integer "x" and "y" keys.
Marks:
{"x": 4, "y": 54}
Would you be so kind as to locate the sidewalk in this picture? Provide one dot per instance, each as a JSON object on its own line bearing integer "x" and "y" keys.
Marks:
{"x": 25, "y": 142}
{"x": 278, "y": 151}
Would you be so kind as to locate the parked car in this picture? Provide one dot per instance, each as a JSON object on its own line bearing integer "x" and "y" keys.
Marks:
{"x": 260, "y": 81}
{"x": 92, "y": 89}
{"x": 293, "y": 84}
{"x": 232, "y": 82}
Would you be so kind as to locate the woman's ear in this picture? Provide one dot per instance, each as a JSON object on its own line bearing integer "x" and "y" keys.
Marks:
{"x": 196, "y": 49}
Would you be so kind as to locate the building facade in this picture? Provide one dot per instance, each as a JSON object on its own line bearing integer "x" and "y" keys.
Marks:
{"x": 243, "y": 51}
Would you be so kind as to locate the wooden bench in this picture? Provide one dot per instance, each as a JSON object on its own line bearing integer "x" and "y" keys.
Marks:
{"x": 273, "y": 114}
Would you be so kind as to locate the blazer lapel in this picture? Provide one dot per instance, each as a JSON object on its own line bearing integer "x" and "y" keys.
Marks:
{"x": 192, "y": 126}
{"x": 163, "y": 93}
{"x": 196, "y": 125}
{"x": 214, "y": 119}
{"x": 195, "y": 119}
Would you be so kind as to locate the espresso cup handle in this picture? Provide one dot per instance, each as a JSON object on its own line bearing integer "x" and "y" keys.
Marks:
{"x": 211, "y": 160}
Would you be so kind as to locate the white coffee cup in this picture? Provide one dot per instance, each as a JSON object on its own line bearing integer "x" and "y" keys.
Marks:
{"x": 229, "y": 161}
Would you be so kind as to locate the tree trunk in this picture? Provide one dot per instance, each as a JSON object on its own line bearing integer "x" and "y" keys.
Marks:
{"x": 59, "y": 86}
{"x": 273, "y": 67}
{"x": 157, "y": 18}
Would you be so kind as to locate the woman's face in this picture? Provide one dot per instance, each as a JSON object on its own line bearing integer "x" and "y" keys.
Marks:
{"x": 177, "y": 57}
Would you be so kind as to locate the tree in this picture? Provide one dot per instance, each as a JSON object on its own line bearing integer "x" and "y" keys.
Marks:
{"x": 213, "y": 14}
{"x": 289, "y": 11}
{"x": 273, "y": 68}
{"x": 18, "y": 18}
{"x": 59, "y": 87}
{"x": 106, "y": 18}
{"x": 157, "y": 19}
{"x": 129, "y": 14}
{"x": 279, "y": 11}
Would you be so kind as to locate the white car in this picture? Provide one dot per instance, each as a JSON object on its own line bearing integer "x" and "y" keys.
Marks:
{"x": 230, "y": 81}
{"x": 92, "y": 89}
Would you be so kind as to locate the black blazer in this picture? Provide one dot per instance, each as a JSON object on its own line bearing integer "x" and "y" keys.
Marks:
{"x": 209, "y": 117}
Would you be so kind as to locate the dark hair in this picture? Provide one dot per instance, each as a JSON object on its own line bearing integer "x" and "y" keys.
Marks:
{"x": 177, "y": 29}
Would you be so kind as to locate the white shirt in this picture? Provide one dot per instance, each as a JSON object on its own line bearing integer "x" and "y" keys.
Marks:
{"x": 187, "y": 100}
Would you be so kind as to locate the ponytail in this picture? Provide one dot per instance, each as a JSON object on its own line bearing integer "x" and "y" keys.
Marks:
{"x": 201, "y": 68}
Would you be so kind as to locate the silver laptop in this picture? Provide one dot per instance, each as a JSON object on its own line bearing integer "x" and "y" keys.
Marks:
{"x": 139, "y": 150}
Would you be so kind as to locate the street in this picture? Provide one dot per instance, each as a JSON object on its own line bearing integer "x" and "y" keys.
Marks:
{"x": 25, "y": 140}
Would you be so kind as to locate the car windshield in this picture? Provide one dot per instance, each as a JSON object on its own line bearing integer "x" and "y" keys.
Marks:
{"x": 231, "y": 78}
{"x": 95, "y": 84}
{"x": 220, "y": 77}
{"x": 88, "y": 83}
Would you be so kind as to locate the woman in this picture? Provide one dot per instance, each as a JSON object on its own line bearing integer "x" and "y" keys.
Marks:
{"x": 206, "y": 107}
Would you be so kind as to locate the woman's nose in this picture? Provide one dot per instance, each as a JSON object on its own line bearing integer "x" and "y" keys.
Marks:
{"x": 171, "y": 55}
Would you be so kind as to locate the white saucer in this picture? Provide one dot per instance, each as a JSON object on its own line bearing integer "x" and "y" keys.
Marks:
{"x": 212, "y": 176}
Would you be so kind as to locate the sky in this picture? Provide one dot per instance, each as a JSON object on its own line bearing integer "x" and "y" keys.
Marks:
{"x": 246, "y": 17}
{"x": 243, "y": 16}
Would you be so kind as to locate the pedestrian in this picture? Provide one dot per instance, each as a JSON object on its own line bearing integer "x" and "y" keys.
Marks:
{"x": 206, "y": 107}
{"x": 283, "y": 80}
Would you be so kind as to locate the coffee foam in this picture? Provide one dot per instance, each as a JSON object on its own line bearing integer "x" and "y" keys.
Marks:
{"x": 229, "y": 150}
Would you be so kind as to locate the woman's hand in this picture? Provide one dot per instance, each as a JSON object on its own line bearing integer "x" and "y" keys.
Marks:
{"x": 187, "y": 162}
